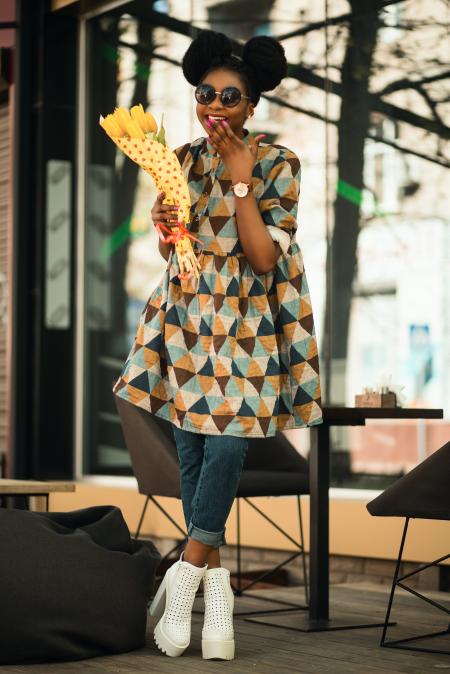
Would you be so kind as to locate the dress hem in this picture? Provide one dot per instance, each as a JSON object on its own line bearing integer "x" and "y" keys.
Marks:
{"x": 189, "y": 426}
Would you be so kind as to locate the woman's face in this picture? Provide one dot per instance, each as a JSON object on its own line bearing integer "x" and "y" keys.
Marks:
{"x": 236, "y": 116}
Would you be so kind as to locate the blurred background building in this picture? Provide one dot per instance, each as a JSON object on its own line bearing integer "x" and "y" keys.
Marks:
{"x": 366, "y": 108}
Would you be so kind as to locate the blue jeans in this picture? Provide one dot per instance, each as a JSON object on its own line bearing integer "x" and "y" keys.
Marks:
{"x": 210, "y": 470}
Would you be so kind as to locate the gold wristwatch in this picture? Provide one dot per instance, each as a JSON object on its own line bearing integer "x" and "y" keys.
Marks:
{"x": 241, "y": 189}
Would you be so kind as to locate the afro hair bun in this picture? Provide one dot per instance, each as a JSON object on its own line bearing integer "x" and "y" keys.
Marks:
{"x": 266, "y": 60}
{"x": 208, "y": 49}
{"x": 263, "y": 60}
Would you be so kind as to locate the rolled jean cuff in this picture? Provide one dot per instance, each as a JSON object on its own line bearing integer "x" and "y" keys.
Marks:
{"x": 213, "y": 538}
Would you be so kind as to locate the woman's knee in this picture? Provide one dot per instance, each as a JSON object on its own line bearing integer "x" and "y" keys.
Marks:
{"x": 227, "y": 448}
{"x": 227, "y": 441}
{"x": 190, "y": 447}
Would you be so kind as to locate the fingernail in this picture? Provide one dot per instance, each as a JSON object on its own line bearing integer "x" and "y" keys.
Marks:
{"x": 224, "y": 122}
{"x": 208, "y": 124}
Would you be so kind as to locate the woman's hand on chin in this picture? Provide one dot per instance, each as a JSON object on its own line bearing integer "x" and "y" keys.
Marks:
{"x": 238, "y": 157}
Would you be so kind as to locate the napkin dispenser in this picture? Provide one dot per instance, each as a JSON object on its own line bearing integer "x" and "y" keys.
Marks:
{"x": 372, "y": 398}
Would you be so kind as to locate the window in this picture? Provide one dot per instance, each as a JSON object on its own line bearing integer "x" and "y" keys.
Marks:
{"x": 384, "y": 307}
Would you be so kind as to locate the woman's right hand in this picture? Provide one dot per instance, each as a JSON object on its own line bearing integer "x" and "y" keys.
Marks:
{"x": 164, "y": 213}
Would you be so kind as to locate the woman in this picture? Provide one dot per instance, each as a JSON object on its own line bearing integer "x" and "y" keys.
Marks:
{"x": 236, "y": 357}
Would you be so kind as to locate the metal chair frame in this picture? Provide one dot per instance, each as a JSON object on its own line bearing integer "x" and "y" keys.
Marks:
{"x": 238, "y": 589}
{"x": 398, "y": 581}
{"x": 180, "y": 544}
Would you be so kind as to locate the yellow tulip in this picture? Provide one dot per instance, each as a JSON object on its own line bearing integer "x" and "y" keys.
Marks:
{"x": 122, "y": 117}
{"x": 134, "y": 130}
{"x": 111, "y": 126}
{"x": 151, "y": 125}
{"x": 138, "y": 115}
{"x": 145, "y": 119}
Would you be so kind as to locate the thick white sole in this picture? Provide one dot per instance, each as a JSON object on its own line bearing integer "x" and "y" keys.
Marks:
{"x": 157, "y": 610}
{"x": 221, "y": 650}
{"x": 165, "y": 644}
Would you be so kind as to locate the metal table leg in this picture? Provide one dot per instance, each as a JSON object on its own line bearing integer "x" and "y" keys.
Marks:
{"x": 318, "y": 619}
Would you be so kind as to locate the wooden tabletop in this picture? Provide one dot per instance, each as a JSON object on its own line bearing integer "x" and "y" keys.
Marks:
{"x": 353, "y": 416}
{"x": 13, "y": 487}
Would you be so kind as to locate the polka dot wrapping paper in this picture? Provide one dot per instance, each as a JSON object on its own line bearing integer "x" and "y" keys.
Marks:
{"x": 135, "y": 134}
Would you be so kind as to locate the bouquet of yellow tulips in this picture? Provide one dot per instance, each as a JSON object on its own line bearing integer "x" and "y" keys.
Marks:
{"x": 136, "y": 133}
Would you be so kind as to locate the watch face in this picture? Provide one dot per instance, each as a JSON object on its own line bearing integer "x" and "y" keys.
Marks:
{"x": 241, "y": 189}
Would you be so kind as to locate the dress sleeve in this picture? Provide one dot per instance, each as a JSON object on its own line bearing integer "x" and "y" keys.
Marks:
{"x": 181, "y": 152}
{"x": 279, "y": 202}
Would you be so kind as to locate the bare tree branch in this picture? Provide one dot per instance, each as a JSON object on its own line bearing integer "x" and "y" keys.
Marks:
{"x": 335, "y": 20}
{"x": 411, "y": 84}
{"x": 442, "y": 161}
{"x": 432, "y": 104}
{"x": 376, "y": 103}
{"x": 141, "y": 10}
{"x": 413, "y": 25}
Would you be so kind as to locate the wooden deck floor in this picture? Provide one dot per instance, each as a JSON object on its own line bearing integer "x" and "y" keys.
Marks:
{"x": 261, "y": 649}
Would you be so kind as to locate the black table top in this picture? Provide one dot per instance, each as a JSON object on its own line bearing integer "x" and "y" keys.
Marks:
{"x": 341, "y": 415}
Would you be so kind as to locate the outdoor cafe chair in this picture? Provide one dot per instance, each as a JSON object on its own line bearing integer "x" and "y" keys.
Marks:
{"x": 422, "y": 493}
{"x": 273, "y": 467}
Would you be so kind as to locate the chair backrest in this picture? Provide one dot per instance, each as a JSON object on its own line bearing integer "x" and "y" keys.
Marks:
{"x": 274, "y": 454}
{"x": 424, "y": 492}
{"x": 152, "y": 450}
{"x": 154, "y": 458}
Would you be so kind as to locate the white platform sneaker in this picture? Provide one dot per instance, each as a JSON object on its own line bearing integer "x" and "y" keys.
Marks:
{"x": 173, "y": 605}
{"x": 218, "y": 633}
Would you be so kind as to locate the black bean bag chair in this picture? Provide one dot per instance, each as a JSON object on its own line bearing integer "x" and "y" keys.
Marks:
{"x": 73, "y": 585}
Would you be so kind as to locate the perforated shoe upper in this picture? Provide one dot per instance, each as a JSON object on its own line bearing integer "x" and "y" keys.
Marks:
{"x": 182, "y": 585}
{"x": 219, "y": 603}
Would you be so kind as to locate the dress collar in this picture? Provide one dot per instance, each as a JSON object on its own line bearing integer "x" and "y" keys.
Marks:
{"x": 210, "y": 151}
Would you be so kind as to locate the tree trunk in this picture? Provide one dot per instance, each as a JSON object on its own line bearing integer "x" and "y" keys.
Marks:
{"x": 352, "y": 130}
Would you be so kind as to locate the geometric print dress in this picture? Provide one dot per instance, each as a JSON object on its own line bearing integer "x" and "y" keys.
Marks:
{"x": 233, "y": 352}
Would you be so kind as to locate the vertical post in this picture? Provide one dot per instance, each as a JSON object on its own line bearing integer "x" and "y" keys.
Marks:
{"x": 43, "y": 131}
{"x": 319, "y": 477}
{"x": 22, "y": 265}
{"x": 394, "y": 582}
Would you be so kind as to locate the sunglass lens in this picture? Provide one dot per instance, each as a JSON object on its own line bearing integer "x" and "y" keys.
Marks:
{"x": 230, "y": 97}
{"x": 204, "y": 94}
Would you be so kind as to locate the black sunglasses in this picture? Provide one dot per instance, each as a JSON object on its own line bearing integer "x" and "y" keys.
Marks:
{"x": 229, "y": 97}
